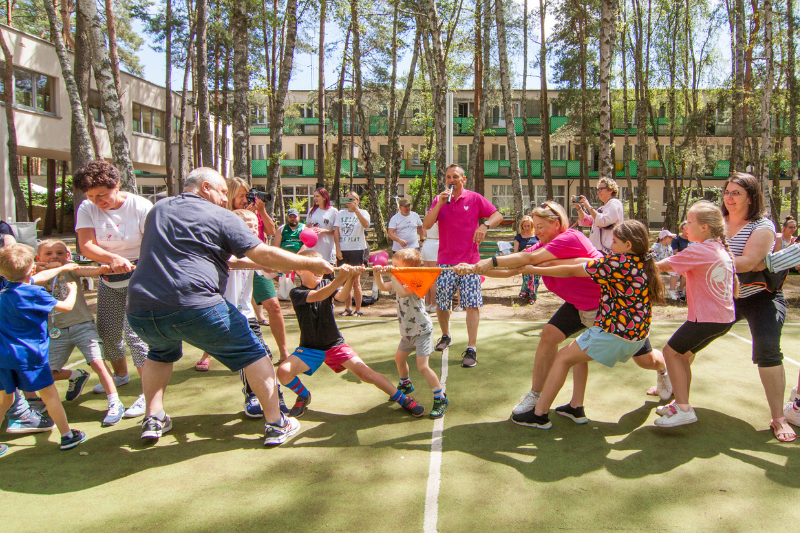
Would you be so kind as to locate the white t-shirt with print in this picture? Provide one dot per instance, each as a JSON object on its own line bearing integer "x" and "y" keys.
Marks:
{"x": 406, "y": 229}
{"x": 118, "y": 231}
{"x": 351, "y": 232}
{"x": 239, "y": 291}
{"x": 325, "y": 219}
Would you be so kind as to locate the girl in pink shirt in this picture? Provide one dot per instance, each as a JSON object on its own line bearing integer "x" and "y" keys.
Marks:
{"x": 710, "y": 289}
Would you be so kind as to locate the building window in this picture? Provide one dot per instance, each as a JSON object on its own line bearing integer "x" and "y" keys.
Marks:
{"x": 258, "y": 115}
{"x": 293, "y": 193}
{"x": 152, "y": 192}
{"x": 259, "y": 151}
{"x": 148, "y": 121}
{"x": 95, "y": 109}
{"x": 31, "y": 90}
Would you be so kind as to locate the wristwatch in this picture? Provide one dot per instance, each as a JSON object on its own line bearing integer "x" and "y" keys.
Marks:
{"x": 494, "y": 260}
{"x": 487, "y": 224}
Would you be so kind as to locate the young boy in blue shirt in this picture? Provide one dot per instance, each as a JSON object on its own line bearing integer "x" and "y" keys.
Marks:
{"x": 321, "y": 342}
{"x": 24, "y": 339}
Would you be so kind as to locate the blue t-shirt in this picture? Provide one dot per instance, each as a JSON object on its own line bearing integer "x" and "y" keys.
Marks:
{"x": 183, "y": 263}
{"x": 24, "y": 342}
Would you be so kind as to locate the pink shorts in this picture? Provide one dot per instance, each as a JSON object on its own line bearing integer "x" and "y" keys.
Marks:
{"x": 337, "y": 355}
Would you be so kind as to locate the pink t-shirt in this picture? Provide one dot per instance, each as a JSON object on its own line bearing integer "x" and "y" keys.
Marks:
{"x": 709, "y": 281}
{"x": 583, "y": 293}
{"x": 457, "y": 224}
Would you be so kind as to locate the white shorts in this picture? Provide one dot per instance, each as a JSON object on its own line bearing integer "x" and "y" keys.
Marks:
{"x": 430, "y": 250}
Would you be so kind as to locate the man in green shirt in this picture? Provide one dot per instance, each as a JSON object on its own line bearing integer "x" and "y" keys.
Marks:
{"x": 288, "y": 235}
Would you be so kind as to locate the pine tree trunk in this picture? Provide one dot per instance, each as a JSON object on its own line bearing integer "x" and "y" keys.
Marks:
{"x": 337, "y": 176}
{"x": 204, "y": 129}
{"x": 793, "y": 101}
{"x": 544, "y": 111}
{"x": 13, "y": 162}
{"x": 626, "y": 151}
{"x": 112, "y": 111}
{"x": 526, "y": 137}
{"x": 169, "y": 123}
{"x": 239, "y": 27}
{"x": 393, "y": 137}
{"x": 374, "y": 203}
{"x": 766, "y": 117}
{"x": 477, "y": 134}
{"x": 183, "y": 138}
{"x": 439, "y": 90}
{"x": 505, "y": 85}
{"x": 277, "y": 110}
{"x": 111, "y": 27}
{"x": 607, "y": 33}
{"x": 50, "y": 212}
{"x": 321, "y": 95}
{"x": 739, "y": 118}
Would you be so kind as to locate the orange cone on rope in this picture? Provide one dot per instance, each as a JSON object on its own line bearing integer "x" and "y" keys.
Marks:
{"x": 418, "y": 279}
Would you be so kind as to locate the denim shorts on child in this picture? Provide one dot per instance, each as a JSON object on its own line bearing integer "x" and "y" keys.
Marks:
{"x": 606, "y": 348}
{"x": 84, "y": 336}
{"x": 26, "y": 380}
{"x": 333, "y": 357}
{"x": 469, "y": 289}
{"x": 422, "y": 344}
{"x": 221, "y": 331}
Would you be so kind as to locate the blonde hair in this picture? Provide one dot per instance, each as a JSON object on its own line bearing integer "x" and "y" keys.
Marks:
{"x": 409, "y": 256}
{"x": 355, "y": 194}
{"x": 233, "y": 188}
{"x": 525, "y": 219}
{"x": 611, "y": 184}
{"x": 50, "y": 242}
{"x": 553, "y": 211}
{"x": 711, "y": 215}
{"x": 310, "y": 253}
{"x": 247, "y": 216}
{"x": 636, "y": 233}
{"x": 16, "y": 261}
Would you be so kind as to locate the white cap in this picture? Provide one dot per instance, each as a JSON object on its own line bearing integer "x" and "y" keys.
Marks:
{"x": 665, "y": 233}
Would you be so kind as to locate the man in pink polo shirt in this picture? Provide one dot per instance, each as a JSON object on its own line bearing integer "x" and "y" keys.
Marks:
{"x": 460, "y": 234}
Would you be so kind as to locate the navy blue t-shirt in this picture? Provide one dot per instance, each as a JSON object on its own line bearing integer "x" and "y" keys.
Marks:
{"x": 5, "y": 229}
{"x": 186, "y": 245}
{"x": 24, "y": 342}
{"x": 679, "y": 244}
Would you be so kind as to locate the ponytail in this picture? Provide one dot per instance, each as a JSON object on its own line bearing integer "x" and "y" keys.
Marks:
{"x": 724, "y": 241}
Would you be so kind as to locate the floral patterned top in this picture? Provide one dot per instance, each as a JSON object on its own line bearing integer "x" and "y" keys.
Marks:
{"x": 624, "y": 299}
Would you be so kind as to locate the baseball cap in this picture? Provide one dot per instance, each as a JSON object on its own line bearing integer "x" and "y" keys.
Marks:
{"x": 292, "y": 211}
{"x": 404, "y": 202}
{"x": 665, "y": 233}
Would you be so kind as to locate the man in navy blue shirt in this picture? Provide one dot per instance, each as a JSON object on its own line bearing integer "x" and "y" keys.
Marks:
{"x": 175, "y": 296}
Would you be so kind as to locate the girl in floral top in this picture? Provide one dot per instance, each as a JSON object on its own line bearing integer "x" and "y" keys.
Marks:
{"x": 629, "y": 283}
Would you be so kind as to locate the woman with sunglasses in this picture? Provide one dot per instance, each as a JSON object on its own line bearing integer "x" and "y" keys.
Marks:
{"x": 558, "y": 244}
{"x": 751, "y": 236}
{"x": 604, "y": 218}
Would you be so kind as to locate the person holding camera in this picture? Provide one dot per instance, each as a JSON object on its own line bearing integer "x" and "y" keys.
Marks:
{"x": 604, "y": 218}
{"x": 351, "y": 245}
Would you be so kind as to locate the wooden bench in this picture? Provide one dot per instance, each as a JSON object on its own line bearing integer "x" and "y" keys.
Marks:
{"x": 487, "y": 249}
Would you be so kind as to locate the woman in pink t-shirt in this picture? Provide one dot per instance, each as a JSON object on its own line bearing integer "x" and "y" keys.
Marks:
{"x": 560, "y": 245}
{"x": 710, "y": 289}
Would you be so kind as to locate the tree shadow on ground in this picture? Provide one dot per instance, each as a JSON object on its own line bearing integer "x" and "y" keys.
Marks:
{"x": 627, "y": 449}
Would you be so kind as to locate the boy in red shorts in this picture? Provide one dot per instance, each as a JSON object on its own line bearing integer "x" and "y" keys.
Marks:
{"x": 321, "y": 342}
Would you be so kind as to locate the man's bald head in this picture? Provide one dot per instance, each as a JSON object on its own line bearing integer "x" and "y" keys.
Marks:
{"x": 209, "y": 184}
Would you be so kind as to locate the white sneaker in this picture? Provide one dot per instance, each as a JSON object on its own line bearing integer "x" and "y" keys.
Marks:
{"x": 675, "y": 416}
{"x": 672, "y": 294}
{"x": 526, "y": 403}
{"x": 661, "y": 410}
{"x": 431, "y": 309}
{"x": 118, "y": 382}
{"x": 792, "y": 414}
{"x": 137, "y": 409}
{"x": 458, "y": 309}
{"x": 664, "y": 386}
{"x": 794, "y": 396}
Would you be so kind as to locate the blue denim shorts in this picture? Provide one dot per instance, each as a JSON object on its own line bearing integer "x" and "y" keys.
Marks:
{"x": 221, "y": 331}
{"x": 32, "y": 380}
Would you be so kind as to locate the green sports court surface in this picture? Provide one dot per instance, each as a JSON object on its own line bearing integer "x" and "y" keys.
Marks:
{"x": 360, "y": 463}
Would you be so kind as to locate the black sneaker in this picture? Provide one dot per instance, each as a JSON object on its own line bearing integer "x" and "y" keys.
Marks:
{"x": 75, "y": 437}
{"x": 439, "y": 406}
{"x": 300, "y": 406}
{"x": 411, "y": 405}
{"x": 531, "y": 419}
{"x": 76, "y": 385}
{"x": 575, "y": 413}
{"x": 153, "y": 428}
{"x": 406, "y": 388}
{"x": 443, "y": 342}
{"x": 470, "y": 358}
{"x": 275, "y": 435}
{"x": 282, "y": 403}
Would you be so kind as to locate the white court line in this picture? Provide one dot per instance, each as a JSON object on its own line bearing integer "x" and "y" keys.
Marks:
{"x": 435, "y": 468}
{"x": 748, "y": 341}
{"x": 73, "y": 365}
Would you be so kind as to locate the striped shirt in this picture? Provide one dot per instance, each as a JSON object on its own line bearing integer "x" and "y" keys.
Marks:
{"x": 784, "y": 259}
{"x": 739, "y": 241}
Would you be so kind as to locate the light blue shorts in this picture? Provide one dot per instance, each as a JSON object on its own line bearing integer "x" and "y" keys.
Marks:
{"x": 606, "y": 348}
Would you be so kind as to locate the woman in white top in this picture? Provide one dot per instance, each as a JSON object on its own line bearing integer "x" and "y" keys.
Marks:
{"x": 351, "y": 244}
{"x": 322, "y": 218}
{"x": 787, "y": 234}
{"x": 430, "y": 254}
{"x": 109, "y": 224}
{"x": 603, "y": 219}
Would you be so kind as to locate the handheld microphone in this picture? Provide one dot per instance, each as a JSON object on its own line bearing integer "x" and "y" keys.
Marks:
{"x": 451, "y": 193}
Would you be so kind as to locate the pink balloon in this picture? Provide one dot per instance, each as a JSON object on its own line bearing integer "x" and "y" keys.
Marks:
{"x": 385, "y": 255}
{"x": 381, "y": 259}
{"x": 309, "y": 237}
{"x": 372, "y": 258}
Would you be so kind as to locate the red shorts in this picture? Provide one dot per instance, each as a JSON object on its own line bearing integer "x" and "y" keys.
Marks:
{"x": 337, "y": 355}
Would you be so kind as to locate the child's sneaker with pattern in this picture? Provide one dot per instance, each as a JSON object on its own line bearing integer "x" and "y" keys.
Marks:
{"x": 71, "y": 440}
{"x": 439, "y": 407}
{"x": 411, "y": 405}
{"x": 406, "y": 387}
